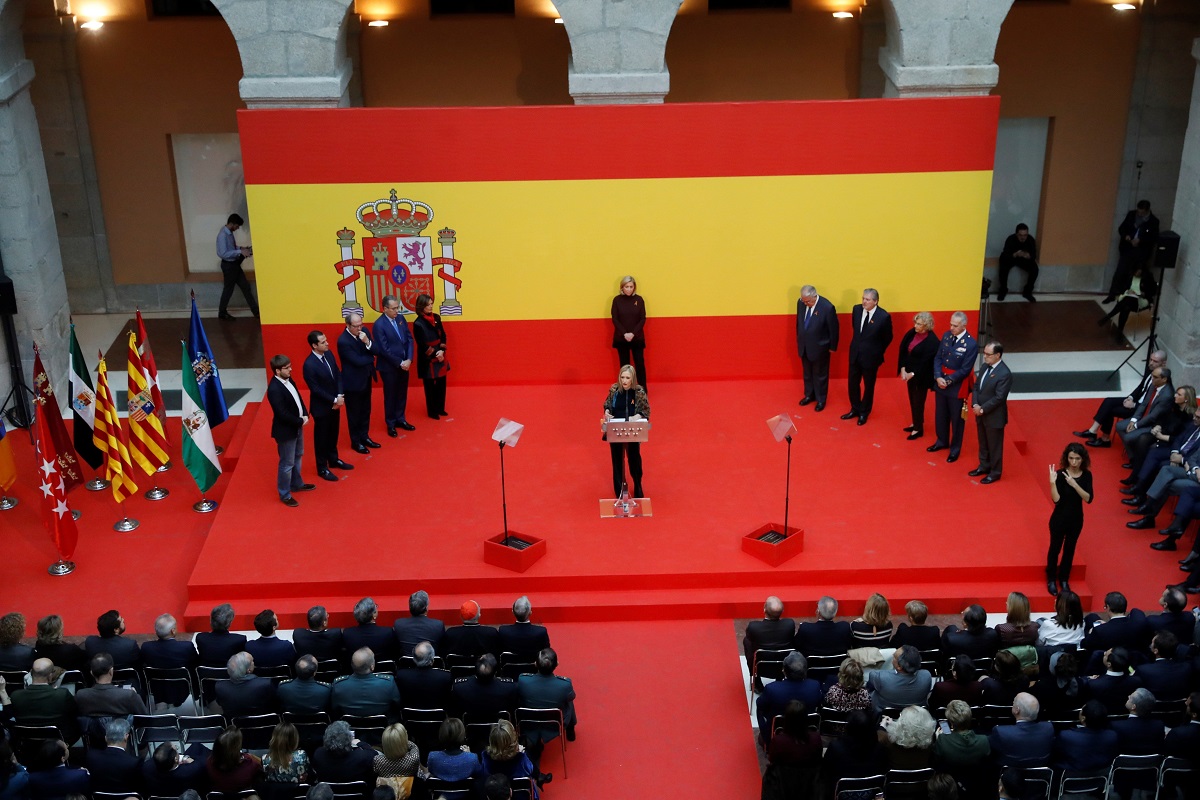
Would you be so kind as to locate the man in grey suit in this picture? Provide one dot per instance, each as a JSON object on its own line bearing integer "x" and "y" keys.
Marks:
{"x": 905, "y": 684}
{"x": 990, "y": 408}
{"x": 1156, "y": 405}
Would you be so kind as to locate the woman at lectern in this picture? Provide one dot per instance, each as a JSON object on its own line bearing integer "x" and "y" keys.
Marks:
{"x": 629, "y": 322}
{"x": 432, "y": 365}
{"x": 626, "y": 400}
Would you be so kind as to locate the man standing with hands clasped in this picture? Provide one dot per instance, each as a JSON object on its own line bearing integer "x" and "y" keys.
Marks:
{"x": 990, "y": 408}
{"x": 816, "y": 337}
{"x": 871, "y": 333}
{"x": 393, "y": 357}
{"x": 287, "y": 429}
{"x": 358, "y": 366}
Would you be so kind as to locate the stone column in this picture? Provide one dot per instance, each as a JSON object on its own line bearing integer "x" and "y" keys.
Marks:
{"x": 294, "y": 52}
{"x": 941, "y": 47}
{"x": 1179, "y": 305}
{"x": 28, "y": 239}
{"x": 618, "y": 49}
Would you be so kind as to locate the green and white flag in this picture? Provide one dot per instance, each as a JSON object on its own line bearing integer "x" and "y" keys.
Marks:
{"x": 199, "y": 452}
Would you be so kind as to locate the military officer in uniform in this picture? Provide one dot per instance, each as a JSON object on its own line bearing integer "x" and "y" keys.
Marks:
{"x": 953, "y": 369}
{"x": 481, "y": 697}
{"x": 546, "y": 690}
{"x": 364, "y": 694}
{"x": 304, "y": 694}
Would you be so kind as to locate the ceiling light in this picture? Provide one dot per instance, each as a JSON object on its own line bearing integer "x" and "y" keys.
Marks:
{"x": 1124, "y": 7}
{"x": 92, "y": 25}
{"x": 377, "y": 23}
{"x": 843, "y": 15}
{"x": 558, "y": 21}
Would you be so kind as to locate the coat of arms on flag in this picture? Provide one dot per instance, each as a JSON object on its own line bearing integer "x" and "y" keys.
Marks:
{"x": 397, "y": 259}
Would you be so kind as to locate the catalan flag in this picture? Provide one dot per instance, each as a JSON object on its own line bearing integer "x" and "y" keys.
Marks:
{"x": 8, "y": 467}
{"x": 111, "y": 440}
{"x": 151, "y": 371}
{"x": 148, "y": 443}
{"x": 68, "y": 463}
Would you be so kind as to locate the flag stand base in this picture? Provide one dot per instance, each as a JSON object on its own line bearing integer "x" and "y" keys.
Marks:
{"x": 157, "y": 493}
{"x": 97, "y": 485}
{"x": 220, "y": 449}
{"x": 125, "y": 525}
{"x": 205, "y": 506}
{"x": 7, "y": 502}
{"x": 164, "y": 467}
{"x": 61, "y": 567}
{"x": 76, "y": 513}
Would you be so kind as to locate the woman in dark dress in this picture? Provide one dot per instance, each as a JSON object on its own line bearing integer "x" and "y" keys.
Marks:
{"x": 918, "y": 348}
{"x": 1070, "y": 488}
{"x": 629, "y": 322}
{"x": 432, "y": 364}
{"x": 626, "y": 400}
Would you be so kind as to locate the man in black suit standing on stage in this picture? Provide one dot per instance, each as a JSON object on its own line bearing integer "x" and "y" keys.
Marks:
{"x": 990, "y": 407}
{"x": 287, "y": 429}
{"x": 325, "y": 401}
{"x": 393, "y": 358}
{"x": 870, "y": 335}
{"x": 358, "y": 366}
{"x": 816, "y": 338}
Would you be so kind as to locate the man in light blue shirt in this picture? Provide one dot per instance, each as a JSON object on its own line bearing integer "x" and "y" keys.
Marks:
{"x": 232, "y": 257}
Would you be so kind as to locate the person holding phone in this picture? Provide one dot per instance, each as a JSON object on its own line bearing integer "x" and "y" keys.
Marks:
{"x": 1070, "y": 488}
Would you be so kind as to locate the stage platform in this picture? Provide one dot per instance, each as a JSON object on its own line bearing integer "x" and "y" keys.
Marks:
{"x": 879, "y": 513}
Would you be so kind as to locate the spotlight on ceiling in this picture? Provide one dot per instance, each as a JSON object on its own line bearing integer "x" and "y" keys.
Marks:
{"x": 1124, "y": 7}
{"x": 377, "y": 23}
{"x": 843, "y": 15}
{"x": 92, "y": 25}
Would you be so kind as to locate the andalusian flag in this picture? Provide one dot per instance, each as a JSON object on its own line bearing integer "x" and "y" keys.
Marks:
{"x": 150, "y": 368}
{"x": 111, "y": 440}
{"x": 83, "y": 407}
{"x": 147, "y": 441}
{"x": 8, "y": 467}
{"x": 199, "y": 452}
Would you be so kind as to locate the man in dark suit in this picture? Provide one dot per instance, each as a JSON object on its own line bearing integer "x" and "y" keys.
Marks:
{"x": 304, "y": 694}
{"x": 318, "y": 640}
{"x": 816, "y": 338}
{"x": 1175, "y": 616}
{"x": 1138, "y": 234}
{"x": 772, "y": 632}
{"x": 974, "y": 639}
{"x": 167, "y": 652}
{"x": 870, "y": 335}
{"x": 546, "y": 690}
{"x": 124, "y": 652}
{"x": 952, "y": 372}
{"x": 1184, "y": 446}
{"x": 269, "y": 650}
{"x": 169, "y": 773}
{"x": 1181, "y": 478}
{"x": 1155, "y": 408}
{"x": 484, "y": 695}
{"x": 57, "y": 779}
{"x": 364, "y": 693}
{"x": 418, "y": 626}
{"x": 104, "y": 698}
{"x": 1020, "y": 251}
{"x": 1130, "y": 631}
{"x": 358, "y": 366}
{"x": 1116, "y": 684}
{"x": 796, "y": 685}
{"x": 1183, "y": 741}
{"x": 39, "y": 703}
{"x": 990, "y": 408}
{"x": 1026, "y": 743}
{"x": 471, "y": 638}
{"x": 112, "y": 767}
{"x": 287, "y": 427}
{"x": 1114, "y": 408}
{"x": 245, "y": 694}
{"x": 523, "y": 639}
{"x": 325, "y": 402}
{"x": 424, "y": 686}
{"x": 215, "y": 647}
{"x": 1167, "y": 677}
{"x": 381, "y": 640}
{"x": 1139, "y": 734}
{"x": 1090, "y": 747}
{"x": 825, "y": 637}
{"x": 393, "y": 357}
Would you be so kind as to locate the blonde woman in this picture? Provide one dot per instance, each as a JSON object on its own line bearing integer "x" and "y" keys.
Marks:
{"x": 1018, "y": 628}
{"x": 629, "y": 326}
{"x": 505, "y": 756}
{"x": 918, "y": 348}
{"x": 626, "y": 400}
{"x": 874, "y": 627}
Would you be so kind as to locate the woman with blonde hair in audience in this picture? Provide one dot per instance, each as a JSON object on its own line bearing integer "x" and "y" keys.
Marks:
{"x": 915, "y": 632}
{"x": 454, "y": 761}
{"x": 1017, "y": 629}
{"x": 504, "y": 756}
{"x": 874, "y": 627}
{"x": 285, "y": 762}
{"x": 229, "y": 768}
{"x": 910, "y": 739}
{"x": 848, "y": 694}
{"x": 50, "y": 645}
{"x": 398, "y": 760}
{"x": 962, "y": 752}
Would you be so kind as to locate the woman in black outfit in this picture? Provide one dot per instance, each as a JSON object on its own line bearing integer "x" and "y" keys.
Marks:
{"x": 1070, "y": 488}
{"x": 629, "y": 322}
{"x": 626, "y": 400}
{"x": 918, "y": 348}
{"x": 432, "y": 365}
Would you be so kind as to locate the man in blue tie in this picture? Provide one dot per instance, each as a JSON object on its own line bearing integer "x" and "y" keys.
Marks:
{"x": 325, "y": 402}
{"x": 393, "y": 357}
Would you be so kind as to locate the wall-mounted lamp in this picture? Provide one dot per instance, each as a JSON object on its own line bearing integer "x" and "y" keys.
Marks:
{"x": 1124, "y": 7}
{"x": 377, "y": 23}
{"x": 843, "y": 15}
{"x": 92, "y": 25}
{"x": 558, "y": 21}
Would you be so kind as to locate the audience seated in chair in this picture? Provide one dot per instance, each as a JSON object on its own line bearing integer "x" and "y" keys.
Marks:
{"x": 318, "y": 640}
{"x": 218, "y": 645}
{"x": 418, "y": 626}
{"x": 304, "y": 694}
{"x": 522, "y": 638}
{"x": 824, "y": 637}
{"x": 269, "y": 650}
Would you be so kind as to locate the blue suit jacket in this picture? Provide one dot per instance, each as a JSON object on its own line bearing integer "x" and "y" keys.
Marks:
{"x": 271, "y": 652}
{"x": 1166, "y": 678}
{"x": 1082, "y": 750}
{"x": 776, "y": 695}
{"x": 392, "y": 345}
{"x": 1137, "y": 736}
{"x": 1023, "y": 744}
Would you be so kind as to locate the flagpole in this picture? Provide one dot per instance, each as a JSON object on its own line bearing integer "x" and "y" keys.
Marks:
{"x": 205, "y": 506}
{"x": 7, "y": 503}
{"x": 164, "y": 467}
{"x": 157, "y": 493}
{"x": 97, "y": 484}
{"x": 61, "y": 567}
{"x": 125, "y": 524}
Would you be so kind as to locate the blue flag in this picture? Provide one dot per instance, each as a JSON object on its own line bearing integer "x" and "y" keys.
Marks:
{"x": 204, "y": 366}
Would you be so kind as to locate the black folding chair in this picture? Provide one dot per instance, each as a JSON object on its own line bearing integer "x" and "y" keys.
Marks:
{"x": 256, "y": 730}
{"x": 546, "y": 719}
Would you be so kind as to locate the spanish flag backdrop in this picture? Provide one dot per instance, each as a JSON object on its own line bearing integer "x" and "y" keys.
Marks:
{"x": 520, "y": 222}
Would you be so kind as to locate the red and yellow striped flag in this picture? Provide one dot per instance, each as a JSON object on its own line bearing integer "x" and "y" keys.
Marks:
{"x": 110, "y": 439}
{"x": 147, "y": 441}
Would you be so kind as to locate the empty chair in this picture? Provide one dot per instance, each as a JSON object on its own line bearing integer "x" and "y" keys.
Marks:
{"x": 907, "y": 784}
{"x": 368, "y": 729}
{"x": 350, "y": 791}
{"x": 151, "y": 730}
{"x": 172, "y": 685}
{"x": 851, "y": 788}
{"x": 256, "y": 730}
{"x": 768, "y": 664}
{"x": 550, "y": 718}
{"x": 202, "y": 729}
{"x": 450, "y": 790}
{"x": 310, "y": 726}
{"x": 423, "y": 725}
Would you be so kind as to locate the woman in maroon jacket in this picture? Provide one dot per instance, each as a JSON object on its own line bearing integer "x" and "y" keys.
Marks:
{"x": 629, "y": 322}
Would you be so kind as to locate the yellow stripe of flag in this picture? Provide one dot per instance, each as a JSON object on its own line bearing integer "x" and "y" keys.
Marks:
{"x": 110, "y": 438}
{"x": 147, "y": 441}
